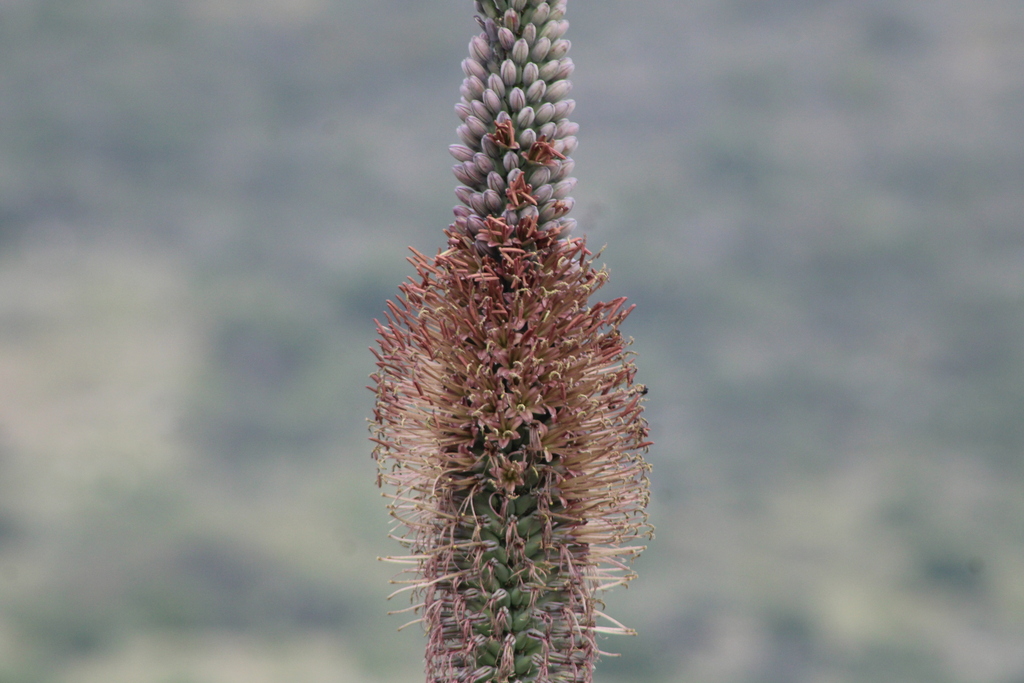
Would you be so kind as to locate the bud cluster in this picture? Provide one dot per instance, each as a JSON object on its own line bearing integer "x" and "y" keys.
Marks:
{"x": 507, "y": 423}
{"x": 516, "y": 137}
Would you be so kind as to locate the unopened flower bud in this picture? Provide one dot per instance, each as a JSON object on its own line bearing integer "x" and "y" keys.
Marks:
{"x": 540, "y": 15}
{"x": 525, "y": 118}
{"x": 471, "y": 67}
{"x": 496, "y": 182}
{"x": 506, "y": 38}
{"x": 491, "y": 99}
{"x": 527, "y": 138}
{"x": 465, "y": 194}
{"x": 478, "y": 204}
{"x": 530, "y": 73}
{"x": 520, "y": 51}
{"x": 563, "y": 188}
{"x": 540, "y": 50}
{"x": 510, "y": 161}
{"x": 483, "y": 162}
{"x": 543, "y": 193}
{"x": 494, "y": 201}
{"x": 535, "y": 93}
{"x": 476, "y": 126}
{"x": 516, "y": 99}
{"x": 557, "y": 90}
{"x": 555, "y": 29}
{"x": 481, "y": 111}
{"x": 530, "y": 34}
{"x": 508, "y": 72}
{"x": 511, "y": 19}
{"x": 545, "y": 113}
{"x": 559, "y": 48}
{"x": 540, "y": 176}
{"x": 461, "y": 152}
{"x": 566, "y": 128}
{"x": 463, "y": 110}
{"x": 564, "y": 108}
{"x": 548, "y": 130}
{"x": 495, "y": 83}
{"x": 479, "y": 48}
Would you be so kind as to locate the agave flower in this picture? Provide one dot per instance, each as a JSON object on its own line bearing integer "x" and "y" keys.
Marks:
{"x": 508, "y": 426}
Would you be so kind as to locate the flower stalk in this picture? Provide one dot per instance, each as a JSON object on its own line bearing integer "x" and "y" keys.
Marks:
{"x": 508, "y": 426}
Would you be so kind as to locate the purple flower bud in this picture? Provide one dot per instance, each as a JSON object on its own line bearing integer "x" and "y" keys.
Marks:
{"x": 520, "y": 51}
{"x": 569, "y": 145}
{"x": 530, "y": 73}
{"x": 476, "y": 126}
{"x": 494, "y": 201}
{"x": 565, "y": 68}
{"x": 530, "y": 34}
{"x": 508, "y": 72}
{"x": 540, "y": 15}
{"x": 555, "y": 29}
{"x": 506, "y": 38}
{"x": 563, "y": 188}
{"x": 525, "y": 118}
{"x": 465, "y": 194}
{"x": 462, "y": 211}
{"x": 511, "y": 19}
{"x": 461, "y": 152}
{"x": 548, "y": 130}
{"x": 495, "y": 83}
{"x": 502, "y": 117}
{"x": 527, "y": 137}
{"x": 496, "y": 182}
{"x": 491, "y": 100}
{"x": 516, "y": 99}
{"x": 510, "y": 161}
{"x": 489, "y": 147}
{"x": 463, "y": 175}
{"x": 483, "y": 162}
{"x": 558, "y": 90}
{"x": 479, "y": 48}
{"x": 550, "y": 69}
{"x": 566, "y": 225}
{"x": 513, "y": 175}
{"x": 564, "y": 169}
{"x": 559, "y": 48}
{"x": 528, "y": 212}
{"x": 472, "y": 141}
{"x": 535, "y": 93}
{"x": 481, "y": 111}
{"x": 471, "y": 67}
{"x": 478, "y": 203}
{"x": 474, "y": 224}
{"x": 511, "y": 217}
{"x": 543, "y": 193}
{"x": 540, "y": 176}
{"x": 566, "y": 128}
{"x": 518, "y": 5}
{"x": 540, "y": 50}
{"x": 463, "y": 110}
{"x": 474, "y": 86}
{"x": 564, "y": 108}
{"x": 545, "y": 113}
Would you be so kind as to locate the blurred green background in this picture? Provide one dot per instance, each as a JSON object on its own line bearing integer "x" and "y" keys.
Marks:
{"x": 816, "y": 205}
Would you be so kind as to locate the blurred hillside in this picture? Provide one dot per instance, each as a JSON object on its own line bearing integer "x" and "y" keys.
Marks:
{"x": 815, "y": 204}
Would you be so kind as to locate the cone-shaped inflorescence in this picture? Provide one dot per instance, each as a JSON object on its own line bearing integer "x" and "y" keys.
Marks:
{"x": 507, "y": 424}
